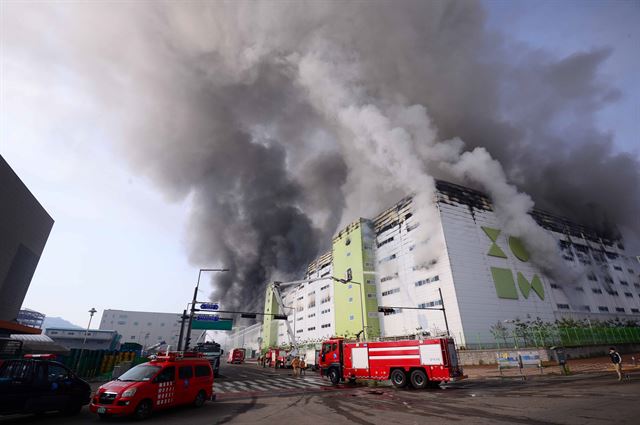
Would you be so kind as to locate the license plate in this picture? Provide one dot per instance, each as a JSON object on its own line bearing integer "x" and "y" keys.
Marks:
{"x": 102, "y": 410}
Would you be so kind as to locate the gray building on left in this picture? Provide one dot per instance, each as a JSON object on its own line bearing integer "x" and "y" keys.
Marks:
{"x": 24, "y": 229}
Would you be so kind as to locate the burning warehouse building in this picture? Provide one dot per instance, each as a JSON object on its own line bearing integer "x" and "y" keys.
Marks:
{"x": 481, "y": 274}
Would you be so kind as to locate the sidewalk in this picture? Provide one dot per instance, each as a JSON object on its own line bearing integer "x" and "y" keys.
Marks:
{"x": 576, "y": 366}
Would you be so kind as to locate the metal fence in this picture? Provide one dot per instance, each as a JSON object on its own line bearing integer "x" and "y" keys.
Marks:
{"x": 550, "y": 336}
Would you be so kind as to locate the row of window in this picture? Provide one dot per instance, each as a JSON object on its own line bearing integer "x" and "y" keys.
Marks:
{"x": 430, "y": 304}
{"x": 386, "y": 241}
{"x": 601, "y": 308}
{"x": 427, "y": 280}
{"x": 326, "y": 325}
{"x": 390, "y": 291}
{"x": 388, "y": 258}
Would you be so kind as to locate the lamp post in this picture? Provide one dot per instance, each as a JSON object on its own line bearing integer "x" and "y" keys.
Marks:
{"x": 364, "y": 331}
{"x": 86, "y": 332}
{"x": 193, "y": 304}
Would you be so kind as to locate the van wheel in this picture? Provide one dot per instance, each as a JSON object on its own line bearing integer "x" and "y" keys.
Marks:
{"x": 333, "y": 375}
{"x": 398, "y": 378}
{"x": 200, "y": 399}
{"x": 418, "y": 379}
{"x": 143, "y": 410}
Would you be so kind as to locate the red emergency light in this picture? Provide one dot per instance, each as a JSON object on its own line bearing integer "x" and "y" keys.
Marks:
{"x": 40, "y": 356}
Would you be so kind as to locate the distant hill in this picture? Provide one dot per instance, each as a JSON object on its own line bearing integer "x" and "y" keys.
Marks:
{"x": 58, "y": 322}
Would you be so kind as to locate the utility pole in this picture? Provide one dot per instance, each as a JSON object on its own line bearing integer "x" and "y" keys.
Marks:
{"x": 84, "y": 341}
{"x": 183, "y": 319}
{"x": 193, "y": 304}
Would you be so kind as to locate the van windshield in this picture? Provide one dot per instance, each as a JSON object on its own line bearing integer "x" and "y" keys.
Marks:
{"x": 143, "y": 372}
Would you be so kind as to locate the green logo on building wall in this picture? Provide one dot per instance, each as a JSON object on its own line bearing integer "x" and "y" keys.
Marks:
{"x": 503, "y": 278}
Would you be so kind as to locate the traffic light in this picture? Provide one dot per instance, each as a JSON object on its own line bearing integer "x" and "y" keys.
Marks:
{"x": 386, "y": 310}
{"x": 248, "y": 315}
{"x": 279, "y": 317}
{"x": 349, "y": 275}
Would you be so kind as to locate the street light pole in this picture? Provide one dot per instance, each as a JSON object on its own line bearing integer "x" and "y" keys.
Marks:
{"x": 193, "y": 304}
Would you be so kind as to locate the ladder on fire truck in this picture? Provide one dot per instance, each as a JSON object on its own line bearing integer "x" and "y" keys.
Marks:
{"x": 277, "y": 287}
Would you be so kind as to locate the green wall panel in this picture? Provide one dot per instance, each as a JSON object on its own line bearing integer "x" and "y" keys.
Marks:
{"x": 518, "y": 249}
{"x": 504, "y": 283}
{"x": 494, "y": 250}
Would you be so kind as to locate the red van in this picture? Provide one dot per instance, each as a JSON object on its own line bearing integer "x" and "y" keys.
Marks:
{"x": 166, "y": 381}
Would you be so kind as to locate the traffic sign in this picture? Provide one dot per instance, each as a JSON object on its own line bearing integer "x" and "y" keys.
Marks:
{"x": 222, "y": 324}
{"x": 209, "y": 306}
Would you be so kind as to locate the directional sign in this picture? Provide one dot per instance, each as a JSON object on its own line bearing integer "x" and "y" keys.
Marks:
{"x": 209, "y": 306}
{"x": 207, "y": 317}
{"x": 222, "y": 324}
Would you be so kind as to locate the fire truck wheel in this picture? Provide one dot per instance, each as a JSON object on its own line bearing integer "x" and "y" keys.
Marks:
{"x": 398, "y": 378}
{"x": 334, "y": 376}
{"x": 200, "y": 399}
{"x": 418, "y": 379}
{"x": 143, "y": 410}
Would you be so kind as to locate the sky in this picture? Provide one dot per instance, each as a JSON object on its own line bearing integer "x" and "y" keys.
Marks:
{"x": 120, "y": 243}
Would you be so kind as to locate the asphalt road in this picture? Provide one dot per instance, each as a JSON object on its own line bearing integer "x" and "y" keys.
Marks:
{"x": 251, "y": 395}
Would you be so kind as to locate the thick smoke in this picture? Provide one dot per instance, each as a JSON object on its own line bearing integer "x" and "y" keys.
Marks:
{"x": 285, "y": 120}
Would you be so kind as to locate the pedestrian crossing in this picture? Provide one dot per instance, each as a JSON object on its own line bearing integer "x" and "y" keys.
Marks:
{"x": 283, "y": 383}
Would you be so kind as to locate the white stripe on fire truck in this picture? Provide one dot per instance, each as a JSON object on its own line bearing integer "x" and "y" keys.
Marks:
{"x": 393, "y": 349}
{"x": 404, "y": 356}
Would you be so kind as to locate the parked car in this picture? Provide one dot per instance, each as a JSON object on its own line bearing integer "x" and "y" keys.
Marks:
{"x": 169, "y": 380}
{"x": 38, "y": 384}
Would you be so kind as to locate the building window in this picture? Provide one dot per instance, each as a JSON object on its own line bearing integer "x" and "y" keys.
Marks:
{"x": 620, "y": 309}
{"x": 592, "y": 277}
{"x": 603, "y": 309}
{"x": 370, "y": 282}
{"x": 429, "y": 280}
{"x": 563, "y": 306}
{"x": 388, "y": 258}
{"x": 630, "y": 271}
{"x": 391, "y": 291}
{"x": 410, "y": 228}
{"x": 312, "y": 328}
{"x": 325, "y": 274}
{"x": 384, "y": 279}
{"x": 370, "y": 295}
{"x": 585, "y": 308}
{"x": 351, "y": 317}
{"x": 324, "y": 287}
{"x": 617, "y": 268}
{"x": 613, "y": 293}
{"x": 312, "y": 304}
{"x": 624, "y": 283}
{"x": 325, "y": 311}
{"x": 579, "y": 289}
{"x": 430, "y": 304}
{"x": 386, "y": 241}
{"x": 135, "y": 323}
{"x": 311, "y": 315}
{"x": 326, "y": 325}
{"x": 608, "y": 279}
{"x": 597, "y": 291}
{"x": 311, "y": 293}
{"x": 299, "y": 331}
{"x": 635, "y": 310}
{"x": 300, "y": 318}
{"x": 133, "y": 337}
{"x": 53, "y": 333}
{"x": 628, "y": 294}
{"x": 350, "y": 299}
{"x": 299, "y": 298}
{"x": 325, "y": 300}
{"x": 555, "y": 286}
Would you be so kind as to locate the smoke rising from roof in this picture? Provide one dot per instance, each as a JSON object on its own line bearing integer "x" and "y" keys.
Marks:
{"x": 285, "y": 120}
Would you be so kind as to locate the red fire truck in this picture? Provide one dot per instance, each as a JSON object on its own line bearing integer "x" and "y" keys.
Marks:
{"x": 276, "y": 357}
{"x": 236, "y": 356}
{"x": 421, "y": 363}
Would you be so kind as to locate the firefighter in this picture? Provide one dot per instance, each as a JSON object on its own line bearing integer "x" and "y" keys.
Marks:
{"x": 303, "y": 367}
{"x": 295, "y": 364}
{"x": 616, "y": 359}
